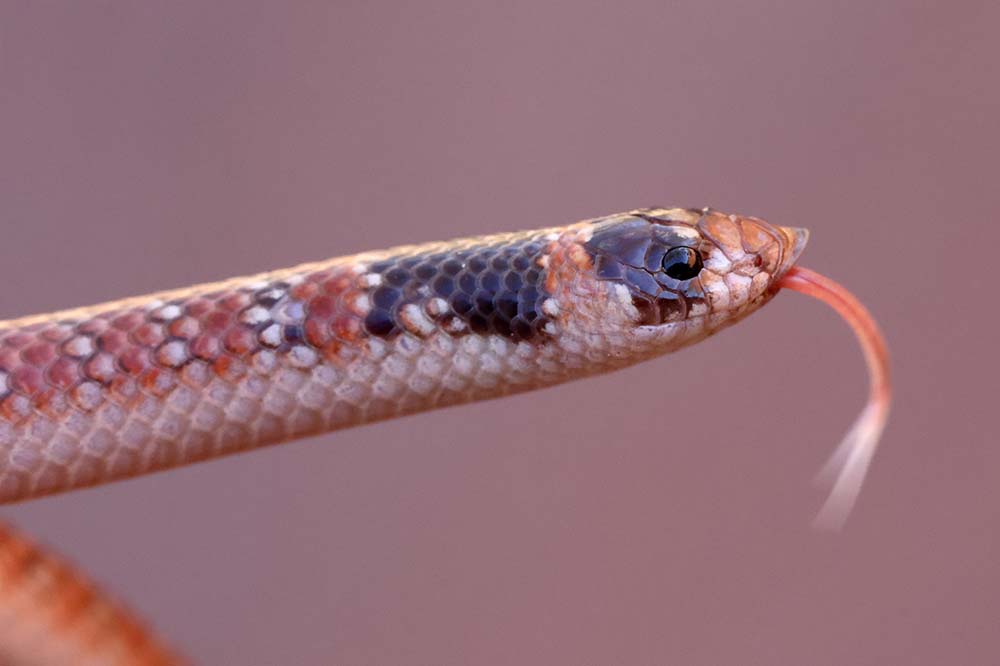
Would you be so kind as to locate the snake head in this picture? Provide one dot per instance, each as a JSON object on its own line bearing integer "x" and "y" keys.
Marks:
{"x": 681, "y": 274}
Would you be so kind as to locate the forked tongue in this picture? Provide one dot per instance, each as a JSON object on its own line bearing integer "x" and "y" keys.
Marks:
{"x": 845, "y": 471}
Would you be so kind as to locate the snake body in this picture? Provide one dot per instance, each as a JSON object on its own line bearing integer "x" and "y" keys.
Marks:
{"x": 144, "y": 384}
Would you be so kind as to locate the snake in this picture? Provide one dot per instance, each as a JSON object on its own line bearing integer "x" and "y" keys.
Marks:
{"x": 106, "y": 392}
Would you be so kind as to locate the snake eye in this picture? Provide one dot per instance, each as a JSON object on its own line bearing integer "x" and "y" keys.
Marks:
{"x": 682, "y": 263}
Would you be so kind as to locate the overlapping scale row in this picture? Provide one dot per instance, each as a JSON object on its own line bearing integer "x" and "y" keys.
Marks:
{"x": 118, "y": 349}
{"x": 482, "y": 289}
{"x": 148, "y": 386}
{"x": 115, "y": 391}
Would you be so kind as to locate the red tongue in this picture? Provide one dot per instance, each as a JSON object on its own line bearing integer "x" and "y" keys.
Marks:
{"x": 850, "y": 461}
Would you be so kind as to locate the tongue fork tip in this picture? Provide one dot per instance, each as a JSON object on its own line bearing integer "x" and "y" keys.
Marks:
{"x": 846, "y": 469}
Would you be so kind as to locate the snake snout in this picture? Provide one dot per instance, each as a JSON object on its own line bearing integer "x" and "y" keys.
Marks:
{"x": 796, "y": 239}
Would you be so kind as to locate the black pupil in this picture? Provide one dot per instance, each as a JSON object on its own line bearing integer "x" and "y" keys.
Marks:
{"x": 682, "y": 263}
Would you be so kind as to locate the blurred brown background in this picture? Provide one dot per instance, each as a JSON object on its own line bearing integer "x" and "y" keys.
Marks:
{"x": 658, "y": 515}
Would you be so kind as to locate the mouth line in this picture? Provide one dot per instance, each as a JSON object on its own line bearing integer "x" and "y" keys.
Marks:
{"x": 735, "y": 313}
